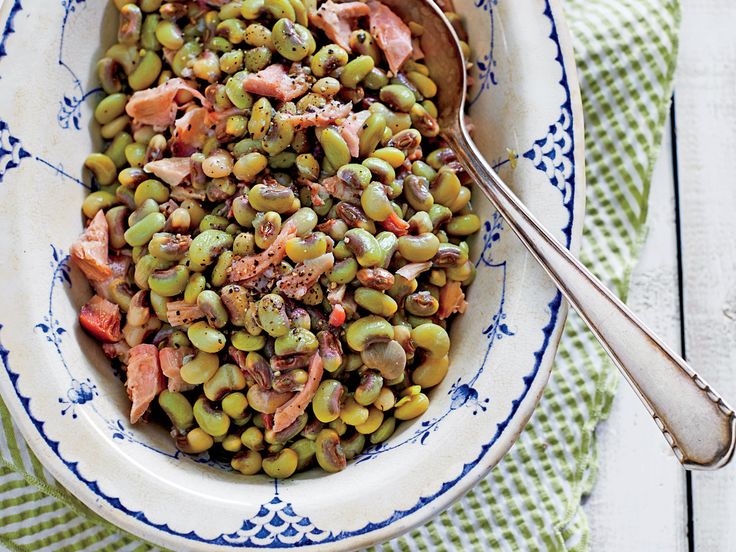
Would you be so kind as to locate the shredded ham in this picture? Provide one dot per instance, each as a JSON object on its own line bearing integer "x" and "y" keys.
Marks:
{"x": 337, "y": 188}
{"x": 157, "y": 106}
{"x": 119, "y": 350}
{"x": 171, "y": 361}
{"x": 145, "y": 379}
{"x": 336, "y": 20}
{"x": 119, "y": 265}
{"x": 181, "y": 313}
{"x": 287, "y": 413}
{"x": 297, "y": 283}
{"x": 396, "y": 225}
{"x": 391, "y": 33}
{"x": 89, "y": 252}
{"x": 320, "y": 116}
{"x": 412, "y": 270}
{"x": 247, "y": 268}
{"x": 351, "y": 129}
{"x": 274, "y": 81}
{"x": 190, "y": 132}
{"x": 452, "y": 300}
{"x": 172, "y": 170}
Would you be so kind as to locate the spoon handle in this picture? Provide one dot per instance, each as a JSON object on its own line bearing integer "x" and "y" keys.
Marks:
{"x": 697, "y": 423}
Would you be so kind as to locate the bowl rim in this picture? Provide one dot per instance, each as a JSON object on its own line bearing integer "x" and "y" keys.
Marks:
{"x": 62, "y": 471}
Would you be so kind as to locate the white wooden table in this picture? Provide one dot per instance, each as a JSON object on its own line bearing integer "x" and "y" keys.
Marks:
{"x": 685, "y": 288}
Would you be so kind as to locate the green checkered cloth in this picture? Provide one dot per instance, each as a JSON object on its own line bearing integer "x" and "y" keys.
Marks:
{"x": 626, "y": 51}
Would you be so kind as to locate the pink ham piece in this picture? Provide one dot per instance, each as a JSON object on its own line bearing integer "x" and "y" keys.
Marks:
{"x": 247, "y": 268}
{"x": 351, "y": 128}
{"x": 391, "y": 33}
{"x": 337, "y": 188}
{"x": 145, "y": 379}
{"x": 336, "y": 20}
{"x": 287, "y": 413}
{"x": 171, "y": 361}
{"x": 190, "y": 132}
{"x": 274, "y": 81}
{"x": 157, "y": 106}
{"x": 89, "y": 252}
{"x": 172, "y": 170}
{"x": 181, "y": 313}
{"x": 320, "y": 116}
{"x": 297, "y": 283}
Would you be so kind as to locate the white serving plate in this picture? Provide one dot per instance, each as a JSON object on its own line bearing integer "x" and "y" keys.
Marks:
{"x": 73, "y": 409}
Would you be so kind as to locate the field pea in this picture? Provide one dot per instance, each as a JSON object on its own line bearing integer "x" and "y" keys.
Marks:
{"x": 206, "y": 338}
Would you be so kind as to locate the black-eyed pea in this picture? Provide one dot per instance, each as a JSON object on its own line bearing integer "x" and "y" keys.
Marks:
{"x": 169, "y": 282}
{"x": 205, "y": 248}
{"x": 247, "y": 462}
{"x": 272, "y": 316}
{"x": 431, "y": 372}
{"x": 412, "y": 405}
{"x": 266, "y": 401}
{"x": 368, "y": 330}
{"x": 206, "y": 338}
{"x": 353, "y": 413}
{"x": 305, "y": 450}
{"x": 369, "y": 388}
{"x": 235, "y": 405}
{"x": 252, "y": 439}
{"x": 416, "y": 190}
{"x": 200, "y": 368}
{"x": 372, "y": 423}
{"x": 228, "y": 378}
{"x": 329, "y": 453}
{"x": 231, "y": 443}
{"x": 327, "y": 401}
{"x": 422, "y": 303}
{"x": 376, "y": 302}
{"x": 285, "y": 435}
{"x": 387, "y": 356}
{"x": 352, "y": 446}
{"x": 178, "y": 408}
{"x": 384, "y": 431}
{"x": 195, "y": 442}
{"x": 212, "y": 420}
{"x": 385, "y": 400}
{"x": 281, "y": 465}
{"x": 243, "y": 341}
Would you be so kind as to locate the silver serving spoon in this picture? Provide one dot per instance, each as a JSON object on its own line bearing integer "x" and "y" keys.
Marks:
{"x": 697, "y": 423}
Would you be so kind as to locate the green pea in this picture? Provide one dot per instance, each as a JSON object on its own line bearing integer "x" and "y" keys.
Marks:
{"x": 231, "y": 62}
{"x": 356, "y": 70}
{"x": 279, "y": 136}
{"x": 382, "y": 171}
{"x": 363, "y": 43}
{"x": 305, "y": 450}
{"x": 375, "y": 301}
{"x": 257, "y": 59}
{"x": 177, "y": 408}
{"x": 260, "y": 119}
{"x": 384, "y": 431}
{"x": 200, "y": 368}
{"x": 343, "y": 272}
{"x": 272, "y": 315}
{"x": 206, "y": 246}
{"x": 304, "y": 220}
{"x": 398, "y": 96}
{"x": 110, "y": 108}
{"x": 185, "y": 56}
{"x": 102, "y": 167}
{"x": 376, "y": 79}
{"x": 147, "y": 71}
{"x": 375, "y": 202}
{"x": 282, "y": 465}
{"x": 206, "y": 338}
{"x": 274, "y": 197}
{"x": 96, "y": 201}
{"x": 296, "y": 341}
{"x": 142, "y": 231}
{"x": 170, "y": 282}
{"x": 463, "y": 225}
{"x": 237, "y": 94}
{"x": 247, "y": 462}
{"x": 243, "y": 341}
{"x": 228, "y": 378}
{"x": 423, "y": 83}
{"x": 364, "y": 246}
{"x": 367, "y": 330}
{"x": 335, "y": 148}
{"x": 213, "y": 421}
{"x": 417, "y": 249}
{"x": 292, "y": 40}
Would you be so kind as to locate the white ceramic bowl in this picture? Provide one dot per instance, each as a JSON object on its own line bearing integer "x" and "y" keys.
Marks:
{"x": 72, "y": 408}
